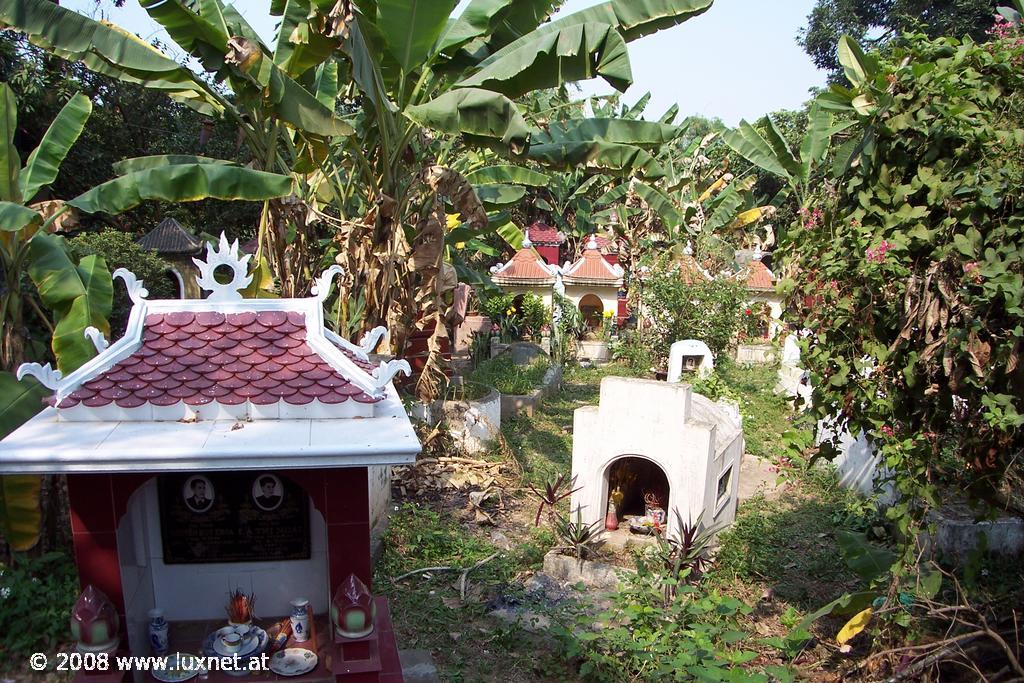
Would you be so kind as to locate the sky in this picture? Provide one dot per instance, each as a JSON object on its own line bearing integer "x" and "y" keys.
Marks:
{"x": 739, "y": 60}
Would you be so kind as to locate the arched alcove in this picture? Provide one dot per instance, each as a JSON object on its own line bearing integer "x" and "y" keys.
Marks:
{"x": 176, "y": 280}
{"x": 641, "y": 482}
{"x": 592, "y": 308}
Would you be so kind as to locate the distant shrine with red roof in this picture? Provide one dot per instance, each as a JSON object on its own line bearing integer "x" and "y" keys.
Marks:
{"x": 593, "y": 282}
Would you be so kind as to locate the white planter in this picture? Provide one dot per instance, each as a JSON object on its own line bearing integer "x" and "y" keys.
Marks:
{"x": 475, "y": 423}
{"x": 595, "y": 351}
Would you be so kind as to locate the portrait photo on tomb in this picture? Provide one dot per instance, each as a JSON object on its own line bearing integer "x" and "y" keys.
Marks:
{"x": 198, "y": 493}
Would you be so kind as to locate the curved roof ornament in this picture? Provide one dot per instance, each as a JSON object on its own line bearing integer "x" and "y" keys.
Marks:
{"x": 96, "y": 337}
{"x": 322, "y": 285}
{"x": 225, "y": 255}
{"x": 47, "y": 376}
{"x": 136, "y": 289}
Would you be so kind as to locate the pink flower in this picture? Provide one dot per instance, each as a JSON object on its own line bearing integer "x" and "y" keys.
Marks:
{"x": 887, "y": 430}
{"x": 877, "y": 255}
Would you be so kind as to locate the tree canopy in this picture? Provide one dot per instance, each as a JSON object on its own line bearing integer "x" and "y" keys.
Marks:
{"x": 879, "y": 22}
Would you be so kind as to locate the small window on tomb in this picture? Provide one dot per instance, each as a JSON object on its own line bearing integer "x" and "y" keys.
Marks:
{"x": 724, "y": 486}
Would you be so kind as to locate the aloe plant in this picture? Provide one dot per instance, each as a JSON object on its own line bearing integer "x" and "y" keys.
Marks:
{"x": 576, "y": 537}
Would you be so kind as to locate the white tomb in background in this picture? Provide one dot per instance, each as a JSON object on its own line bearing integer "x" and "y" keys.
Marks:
{"x": 690, "y": 355}
{"x": 664, "y": 430}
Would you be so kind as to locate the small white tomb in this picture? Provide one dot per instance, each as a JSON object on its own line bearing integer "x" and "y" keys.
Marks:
{"x": 666, "y": 435}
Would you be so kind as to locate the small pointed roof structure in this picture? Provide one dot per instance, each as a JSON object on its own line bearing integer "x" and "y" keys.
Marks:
{"x": 543, "y": 235}
{"x": 592, "y": 268}
{"x": 170, "y": 239}
{"x": 525, "y": 268}
{"x": 690, "y": 269}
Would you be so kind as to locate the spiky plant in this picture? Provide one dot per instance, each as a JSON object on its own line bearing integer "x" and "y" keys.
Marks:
{"x": 553, "y": 493}
{"x": 576, "y": 537}
{"x": 685, "y": 558}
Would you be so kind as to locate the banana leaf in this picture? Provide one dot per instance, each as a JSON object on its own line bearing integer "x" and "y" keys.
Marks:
{"x": 471, "y": 111}
{"x": 631, "y": 18}
{"x": 480, "y": 18}
{"x": 73, "y": 36}
{"x": 326, "y": 83}
{"x": 158, "y": 160}
{"x": 749, "y": 144}
{"x": 207, "y": 40}
{"x": 20, "y": 515}
{"x": 495, "y": 196}
{"x": 660, "y": 203}
{"x": 513, "y": 175}
{"x": 410, "y": 28}
{"x": 80, "y": 295}
{"x": 14, "y": 217}
{"x": 44, "y": 162}
{"x": 818, "y": 138}
{"x": 300, "y": 46}
{"x": 623, "y": 131}
{"x": 551, "y": 59}
{"x": 182, "y": 183}
{"x": 102, "y": 47}
{"x": 597, "y": 156}
{"x": 10, "y": 162}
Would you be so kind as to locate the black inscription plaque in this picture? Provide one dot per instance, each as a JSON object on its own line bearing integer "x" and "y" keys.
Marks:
{"x": 232, "y": 517}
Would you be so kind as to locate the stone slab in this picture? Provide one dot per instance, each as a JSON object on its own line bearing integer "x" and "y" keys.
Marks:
{"x": 418, "y": 666}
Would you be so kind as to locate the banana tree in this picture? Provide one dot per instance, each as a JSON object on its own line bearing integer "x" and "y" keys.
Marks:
{"x": 77, "y": 294}
{"x": 368, "y": 102}
{"x": 765, "y": 147}
{"x": 695, "y": 200}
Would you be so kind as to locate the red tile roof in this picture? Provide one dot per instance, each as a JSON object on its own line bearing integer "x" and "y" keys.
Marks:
{"x": 208, "y": 356}
{"x": 757, "y": 276}
{"x": 593, "y": 267}
{"x": 526, "y": 265}
{"x": 690, "y": 271}
{"x": 543, "y": 234}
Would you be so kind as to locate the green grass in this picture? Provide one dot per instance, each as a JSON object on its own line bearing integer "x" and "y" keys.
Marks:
{"x": 765, "y": 414}
{"x": 543, "y": 443}
{"x": 509, "y": 378}
{"x": 467, "y": 646}
{"x": 789, "y": 544}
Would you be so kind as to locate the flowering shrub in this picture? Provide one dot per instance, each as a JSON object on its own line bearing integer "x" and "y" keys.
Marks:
{"x": 756, "y": 324}
{"x": 911, "y": 280}
{"x": 516, "y": 315}
{"x": 710, "y": 311}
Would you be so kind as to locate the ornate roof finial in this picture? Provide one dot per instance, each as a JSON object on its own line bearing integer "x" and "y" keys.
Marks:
{"x": 322, "y": 285}
{"x": 592, "y": 242}
{"x": 526, "y": 239}
{"x": 136, "y": 291}
{"x": 224, "y": 255}
{"x": 758, "y": 254}
{"x": 688, "y": 250}
{"x": 46, "y": 375}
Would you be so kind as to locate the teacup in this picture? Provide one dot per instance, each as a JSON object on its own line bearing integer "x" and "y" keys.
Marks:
{"x": 243, "y": 630}
{"x": 232, "y": 642}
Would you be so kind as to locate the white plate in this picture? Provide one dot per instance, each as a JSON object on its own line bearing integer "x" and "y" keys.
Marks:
{"x": 293, "y": 661}
{"x": 254, "y": 643}
{"x": 177, "y": 671}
